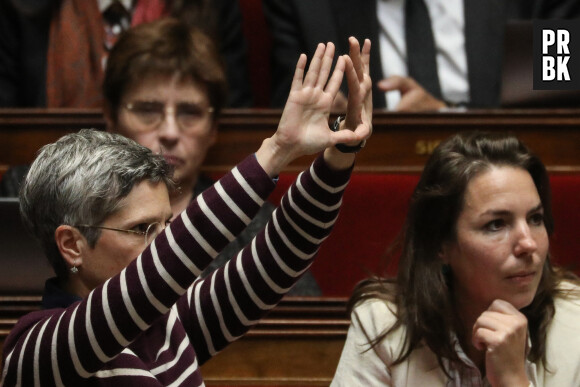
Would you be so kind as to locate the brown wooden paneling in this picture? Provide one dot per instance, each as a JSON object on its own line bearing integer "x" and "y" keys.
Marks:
{"x": 286, "y": 361}
{"x": 401, "y": 141}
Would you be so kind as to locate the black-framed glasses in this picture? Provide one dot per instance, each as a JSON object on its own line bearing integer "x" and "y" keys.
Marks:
{"x": 150, "y": 114}
{"x": 149, "y": 232}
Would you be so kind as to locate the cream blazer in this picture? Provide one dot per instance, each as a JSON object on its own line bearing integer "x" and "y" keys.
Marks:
{"x": 360, "y": 365}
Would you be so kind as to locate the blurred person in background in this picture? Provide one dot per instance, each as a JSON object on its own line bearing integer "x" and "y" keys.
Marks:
{"x": 430, "y": 54}
{"x": 165, "y": 88}
{"x": 53, "y": 52}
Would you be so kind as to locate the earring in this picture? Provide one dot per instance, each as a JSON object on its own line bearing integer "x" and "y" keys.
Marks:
{"x": 74, "y": 269}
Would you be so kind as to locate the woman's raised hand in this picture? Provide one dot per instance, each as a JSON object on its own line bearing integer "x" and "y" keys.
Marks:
{"x": 303, "y": 128}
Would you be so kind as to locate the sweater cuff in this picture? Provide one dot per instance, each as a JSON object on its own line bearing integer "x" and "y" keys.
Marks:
{"x": 332, "y": 177}
{"x": 256, "y": 177}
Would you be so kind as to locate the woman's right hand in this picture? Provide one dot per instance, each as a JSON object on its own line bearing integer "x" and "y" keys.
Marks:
{"x": 502, "y": 332}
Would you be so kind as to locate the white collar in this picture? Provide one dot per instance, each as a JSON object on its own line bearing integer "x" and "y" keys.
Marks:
{"x": 104, "y": 4}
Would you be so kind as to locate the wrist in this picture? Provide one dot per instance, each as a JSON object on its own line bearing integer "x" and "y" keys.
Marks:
{"x": 338, "y": 160}
{"x": 272, "y": 158}
{"x": 512, "y": 380}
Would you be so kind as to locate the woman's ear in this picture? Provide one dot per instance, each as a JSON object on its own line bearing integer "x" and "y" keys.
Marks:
{"x": 71, "y": 244}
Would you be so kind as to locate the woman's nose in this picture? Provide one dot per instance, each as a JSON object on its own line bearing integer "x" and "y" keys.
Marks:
{"x": 525, "y": 242}
{"x": 168, "y": 128}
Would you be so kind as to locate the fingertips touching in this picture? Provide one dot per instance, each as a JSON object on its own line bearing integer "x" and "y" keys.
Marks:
{"x": 345, "y": 137}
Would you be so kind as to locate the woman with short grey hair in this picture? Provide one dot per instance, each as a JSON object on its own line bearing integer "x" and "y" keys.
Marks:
{"x": 90, "y": 174}
{"x": 131, "y": 310}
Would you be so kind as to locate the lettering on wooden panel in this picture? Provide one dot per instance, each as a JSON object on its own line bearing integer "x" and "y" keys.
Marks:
{"x": 426, "y": 147}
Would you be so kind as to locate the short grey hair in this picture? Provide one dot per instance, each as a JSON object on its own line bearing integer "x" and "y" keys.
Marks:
{"x": 81, "y": 179}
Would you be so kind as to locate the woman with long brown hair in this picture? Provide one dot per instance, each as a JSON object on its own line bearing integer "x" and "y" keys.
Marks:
{"x": 476, "y": 301}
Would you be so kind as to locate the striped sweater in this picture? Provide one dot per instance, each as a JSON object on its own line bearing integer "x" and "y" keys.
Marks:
{"x": 154, "y": 324}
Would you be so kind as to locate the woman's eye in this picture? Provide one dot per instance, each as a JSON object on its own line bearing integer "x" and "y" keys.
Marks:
{"x": 141, "y": 228}
{"x": 537, "y": 219}
{"x": 191, "y": 111}
{"x": 495, "y": 225}
{"x": 147, "y": 107}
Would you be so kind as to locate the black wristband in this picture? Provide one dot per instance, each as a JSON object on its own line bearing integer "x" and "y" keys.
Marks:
{"x": 342, "y": 147}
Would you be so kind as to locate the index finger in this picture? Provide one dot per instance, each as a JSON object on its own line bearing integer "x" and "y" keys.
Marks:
{"x": 355, "y": 55}
{"x": 366, "y": 55}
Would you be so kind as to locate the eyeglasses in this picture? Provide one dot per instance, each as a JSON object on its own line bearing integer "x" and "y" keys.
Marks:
{"x": 149, "y": 231}
{"x": 150, "y": 114}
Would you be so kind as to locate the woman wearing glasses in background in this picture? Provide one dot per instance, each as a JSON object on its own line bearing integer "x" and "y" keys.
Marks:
{"x": 126, "y": 314}
{"x": 165, "y": 87}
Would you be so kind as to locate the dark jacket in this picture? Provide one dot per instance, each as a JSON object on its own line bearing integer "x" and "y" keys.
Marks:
{"x": 298, "y": 26}
{"x": 24, "y": 34}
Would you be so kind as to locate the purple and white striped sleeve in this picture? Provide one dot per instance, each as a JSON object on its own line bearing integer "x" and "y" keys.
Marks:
{"x": 233, "y": 298}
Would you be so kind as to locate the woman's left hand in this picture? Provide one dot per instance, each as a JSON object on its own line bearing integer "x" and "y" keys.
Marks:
{"x": 502, "y": 332}
{"x": 359, "y": 109}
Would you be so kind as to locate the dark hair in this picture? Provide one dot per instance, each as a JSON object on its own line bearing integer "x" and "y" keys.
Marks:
{"x": 422, "y": 289}
{"x": 165, "y": 47}
{"x": 200, "y": 13}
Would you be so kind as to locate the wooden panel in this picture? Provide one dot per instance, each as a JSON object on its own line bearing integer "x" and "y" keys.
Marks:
{"x": 299, "y": 343}
{"x": 24, "y": 131}
{"x": 401, "y": 141}
{"x": 306, "y": 361}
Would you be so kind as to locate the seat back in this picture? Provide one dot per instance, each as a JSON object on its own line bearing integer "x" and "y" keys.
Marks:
{"x": 373, "y": 213}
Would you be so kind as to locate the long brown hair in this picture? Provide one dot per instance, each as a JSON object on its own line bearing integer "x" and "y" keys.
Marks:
{"x": 422, "y": 290}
